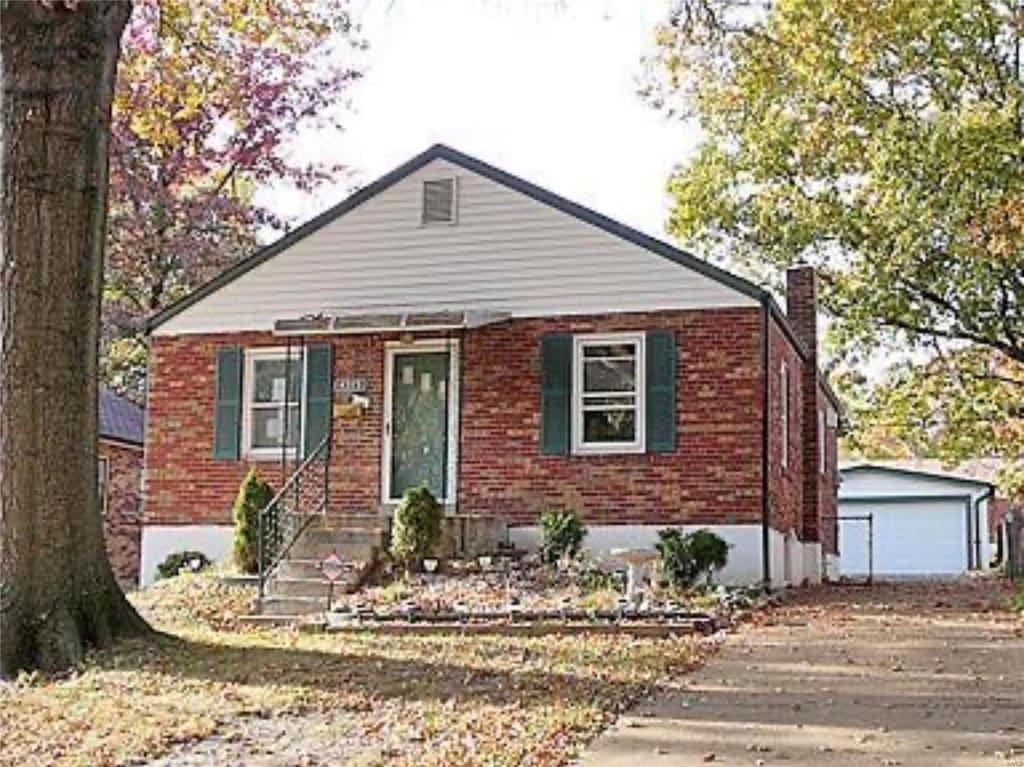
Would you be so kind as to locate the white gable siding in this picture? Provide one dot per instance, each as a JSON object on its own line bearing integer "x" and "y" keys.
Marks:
{"x": 506, "y": 252}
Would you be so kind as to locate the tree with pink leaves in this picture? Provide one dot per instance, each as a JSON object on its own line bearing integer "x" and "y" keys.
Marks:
{"x": 210, "y": 97}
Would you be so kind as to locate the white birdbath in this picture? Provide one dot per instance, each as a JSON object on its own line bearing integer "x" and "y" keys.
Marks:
{"x": 635, "y": 560}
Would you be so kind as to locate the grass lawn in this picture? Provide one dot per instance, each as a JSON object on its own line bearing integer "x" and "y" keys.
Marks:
{"x": 215, "y": 694}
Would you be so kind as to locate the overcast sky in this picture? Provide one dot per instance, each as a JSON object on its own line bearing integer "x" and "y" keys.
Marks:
{"x": 545, "y": 89}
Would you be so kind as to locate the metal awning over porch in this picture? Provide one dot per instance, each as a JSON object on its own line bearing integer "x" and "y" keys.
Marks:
{"x": 391, "y": 322}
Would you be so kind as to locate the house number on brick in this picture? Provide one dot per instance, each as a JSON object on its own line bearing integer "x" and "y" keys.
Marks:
{"x": 352, "y": 385}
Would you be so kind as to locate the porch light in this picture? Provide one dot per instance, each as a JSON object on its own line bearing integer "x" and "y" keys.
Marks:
{"x": 397, "y": 322}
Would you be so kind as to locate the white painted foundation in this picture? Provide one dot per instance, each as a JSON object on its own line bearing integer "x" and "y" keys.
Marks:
{"x": 160, "y": 540}
{"x": 744, "y": 567}
{"x": 831, "y": 569}
{"x": 813, "y": 566}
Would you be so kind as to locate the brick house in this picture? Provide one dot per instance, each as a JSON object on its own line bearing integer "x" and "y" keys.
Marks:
{"x": 120, "y": 453}
{"x": 456, "y": 326}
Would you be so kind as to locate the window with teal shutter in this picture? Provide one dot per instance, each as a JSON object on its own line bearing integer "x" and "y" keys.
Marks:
{"x": 319, "y": 364}
{"x": 227, "y": 409}
{"x": 661, "y": 391}
{"x": 555, "y": 391}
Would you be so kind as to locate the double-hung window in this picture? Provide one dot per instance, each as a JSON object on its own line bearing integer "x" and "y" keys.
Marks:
{"x": 273, "y": 402}
{"x": 608, "y": 393}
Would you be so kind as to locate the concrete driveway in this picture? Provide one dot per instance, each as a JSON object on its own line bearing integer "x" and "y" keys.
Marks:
{"x": 912, "y": 674}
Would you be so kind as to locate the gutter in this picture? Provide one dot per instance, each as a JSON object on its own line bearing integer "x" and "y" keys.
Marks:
{"x": 766, "y": 304}
{"x": 987, "y": 495}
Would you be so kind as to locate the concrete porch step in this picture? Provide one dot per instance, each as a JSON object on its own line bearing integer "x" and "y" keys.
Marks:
{"x": 292, "y": 606}
{"x": 301, "y": 580}
{"x": 320, "y": 550}
{"x": 347, "y": 550}
{"x": 346, "y": 521}
{"x": 368, "y": 535}
{"x": 302, "y": 567}
{"x": 306, "y": 587}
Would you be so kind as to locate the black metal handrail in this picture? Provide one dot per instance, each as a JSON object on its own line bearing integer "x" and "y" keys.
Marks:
{"x": 291, "y": 510}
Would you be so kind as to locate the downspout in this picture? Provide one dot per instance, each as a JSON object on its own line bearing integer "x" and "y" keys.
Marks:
{"x": 766, "y": 563}
{"x": 987, "y": 495}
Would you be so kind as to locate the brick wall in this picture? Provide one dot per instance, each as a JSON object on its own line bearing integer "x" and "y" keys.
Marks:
{"x": 802, "y": 310}
{"x": 828, "y": 486}
{"x": 184, "y": 484}
{"x": 122, "y": 525}
{"x": 785, "y": 482}
{"x": 714, "y": 476}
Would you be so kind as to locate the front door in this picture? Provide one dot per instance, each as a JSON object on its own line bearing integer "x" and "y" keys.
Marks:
{"x": 419, "y": 421}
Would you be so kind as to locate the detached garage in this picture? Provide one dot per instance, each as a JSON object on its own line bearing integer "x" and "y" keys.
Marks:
{"x": 903, "y": 522}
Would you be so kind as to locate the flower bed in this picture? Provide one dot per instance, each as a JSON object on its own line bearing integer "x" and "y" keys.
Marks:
{"x": 522, "y": 590}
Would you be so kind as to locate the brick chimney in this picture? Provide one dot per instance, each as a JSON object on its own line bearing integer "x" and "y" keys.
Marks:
{"x": 802, "y": 310}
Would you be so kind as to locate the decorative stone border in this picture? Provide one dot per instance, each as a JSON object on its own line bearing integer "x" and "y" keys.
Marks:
{"x": 636, "y": 630}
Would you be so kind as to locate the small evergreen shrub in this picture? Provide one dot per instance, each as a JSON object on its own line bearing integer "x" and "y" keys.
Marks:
{"x": 687, "y": 558}
{"x": 1017, "y": 600}
{"x": 677, "y": 564}
{"x": 562, "y": 534}
{"x": 417, "y": 527}
{"x": 253, "y": 496}
{"x": 710, "y": 553}
{"x": 189, "y": 561}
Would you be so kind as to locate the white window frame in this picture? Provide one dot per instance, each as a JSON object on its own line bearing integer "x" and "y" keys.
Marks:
{"x": 784, "y": 412}
{"x": 248, "y": 388}
{"x": 103, "y": 482}
{"x": 455, "y": 201}
{"x": 638, "y": 445}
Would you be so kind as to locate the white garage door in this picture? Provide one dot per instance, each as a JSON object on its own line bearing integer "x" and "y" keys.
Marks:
{"x": 912, "y": 538}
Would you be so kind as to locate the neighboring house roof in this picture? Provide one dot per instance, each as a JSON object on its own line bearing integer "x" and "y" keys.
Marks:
{"x": 917, "y": 468}
{"x": 120, "y": 419}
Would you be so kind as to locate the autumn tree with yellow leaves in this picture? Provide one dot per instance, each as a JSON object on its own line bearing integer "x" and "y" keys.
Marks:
{"x": 210, "y": 97}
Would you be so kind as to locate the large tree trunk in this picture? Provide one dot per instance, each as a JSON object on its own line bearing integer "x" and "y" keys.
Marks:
{"x": 58, "y": 595}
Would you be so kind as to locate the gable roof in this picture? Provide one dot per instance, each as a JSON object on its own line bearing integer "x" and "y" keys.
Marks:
{"x": 887, "y": 468}
{"x": 581, "y": 212}
{"x": 120, "y": 419}
{"x": 442, "y": 152}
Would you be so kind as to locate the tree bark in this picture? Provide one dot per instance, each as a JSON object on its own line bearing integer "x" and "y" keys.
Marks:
{"x": 58, "y": 595}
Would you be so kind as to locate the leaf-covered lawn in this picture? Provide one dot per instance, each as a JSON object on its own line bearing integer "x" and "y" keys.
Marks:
{"x": 214, "y": 694}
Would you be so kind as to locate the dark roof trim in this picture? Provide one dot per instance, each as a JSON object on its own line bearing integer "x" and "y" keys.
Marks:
{"x": 440, "y": 151}
{"x": 915, "y": 473}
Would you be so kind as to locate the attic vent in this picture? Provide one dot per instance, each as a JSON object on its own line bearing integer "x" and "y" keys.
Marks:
{"x": 439, "y": 201}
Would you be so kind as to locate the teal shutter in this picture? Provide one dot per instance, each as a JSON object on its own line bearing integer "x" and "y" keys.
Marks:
{"x": 319, "y": 366}
{"x": 555, "y": 392}
{"x": 227, "y": 408}
{"x": 661, "y": 391}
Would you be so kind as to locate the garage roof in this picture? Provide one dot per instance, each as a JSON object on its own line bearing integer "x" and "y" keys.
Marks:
{"x": 914, "y": 472}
